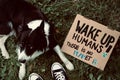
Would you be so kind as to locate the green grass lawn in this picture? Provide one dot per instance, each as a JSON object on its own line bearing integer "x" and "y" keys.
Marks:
{"x": 62, "y": 14}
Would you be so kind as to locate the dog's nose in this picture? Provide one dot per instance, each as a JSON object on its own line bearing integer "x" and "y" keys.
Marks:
{"x": 22, "y": 61}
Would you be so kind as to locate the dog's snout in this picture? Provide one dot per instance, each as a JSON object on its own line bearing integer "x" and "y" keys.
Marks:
{"x": 22, "y": 61}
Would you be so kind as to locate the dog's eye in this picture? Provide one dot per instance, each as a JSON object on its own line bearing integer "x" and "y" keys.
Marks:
{"x": 21, "y": 44}
{"x": 31, "y": 47}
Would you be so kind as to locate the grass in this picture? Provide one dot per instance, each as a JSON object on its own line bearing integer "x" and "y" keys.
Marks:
{"x": 62, "y": 14}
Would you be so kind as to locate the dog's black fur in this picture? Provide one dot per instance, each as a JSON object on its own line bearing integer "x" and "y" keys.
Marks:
{"x": 20, "y": 13}
{"x": 15, "y": 16}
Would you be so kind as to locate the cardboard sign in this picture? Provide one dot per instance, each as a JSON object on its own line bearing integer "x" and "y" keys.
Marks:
{"x": 90, "y": 42}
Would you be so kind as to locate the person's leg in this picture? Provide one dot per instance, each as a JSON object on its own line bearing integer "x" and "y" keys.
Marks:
{"x": 58, "y": 72}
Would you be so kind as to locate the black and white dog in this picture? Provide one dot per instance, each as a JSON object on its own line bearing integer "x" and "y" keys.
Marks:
{"x": 35, "y": 35}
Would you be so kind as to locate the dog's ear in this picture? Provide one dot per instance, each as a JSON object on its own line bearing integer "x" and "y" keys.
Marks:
{"x": 23, "y": 32}
{"x": 40, "y": 29}
{"x": 42, "y": 23}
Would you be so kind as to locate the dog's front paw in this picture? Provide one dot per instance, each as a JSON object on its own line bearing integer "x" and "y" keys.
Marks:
{"x": 22, "y": 71}
{"x": 69, "y": 65}
{"x": 6, "y": 55}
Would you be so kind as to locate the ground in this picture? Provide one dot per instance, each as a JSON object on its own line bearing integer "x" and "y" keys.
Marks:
{"x": 62, "y": 14}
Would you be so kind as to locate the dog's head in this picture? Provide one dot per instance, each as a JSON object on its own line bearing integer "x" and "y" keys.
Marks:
{"x": 33, "y": 40}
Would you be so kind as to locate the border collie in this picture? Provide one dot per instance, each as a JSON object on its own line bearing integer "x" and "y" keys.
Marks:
{"x": 34, "y": 33}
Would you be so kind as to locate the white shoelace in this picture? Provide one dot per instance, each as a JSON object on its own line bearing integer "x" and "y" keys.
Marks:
{"x": 59, "y": 75}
